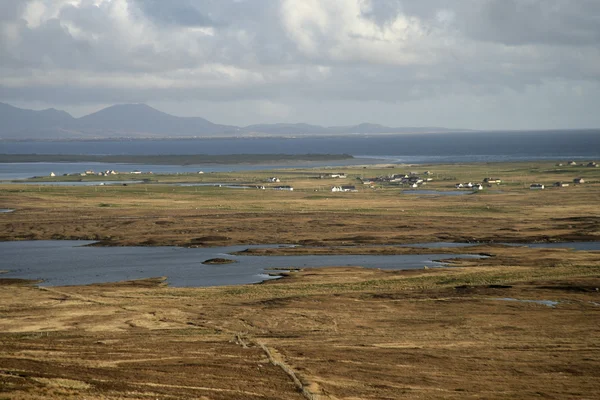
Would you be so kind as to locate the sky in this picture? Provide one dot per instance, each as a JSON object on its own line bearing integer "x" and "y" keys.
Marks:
{"x": 477, "y": 64}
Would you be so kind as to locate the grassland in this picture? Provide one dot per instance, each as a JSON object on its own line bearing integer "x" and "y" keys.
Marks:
{"x": 325, "y": 333}
{"x": 163, "y": 213}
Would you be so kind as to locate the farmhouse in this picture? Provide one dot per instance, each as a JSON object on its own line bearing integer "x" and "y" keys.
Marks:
{"x": 412, "y": 180}
{"x": 343, "y": 189}
{"x": 396, "y": 178}
{"x": 273, "y": 179}
{"x": 536, "y": 186}
{"x": 560, "y": 184}
{"x": 578, "y": 181}
{"x": 492, "y": 180}
{"x": 341, "y": 175}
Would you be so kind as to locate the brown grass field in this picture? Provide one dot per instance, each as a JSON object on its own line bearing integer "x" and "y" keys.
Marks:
{"x": 323, "y": 333}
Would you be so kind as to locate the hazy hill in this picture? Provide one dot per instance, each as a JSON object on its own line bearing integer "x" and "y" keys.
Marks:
{"x": 143, "y": 121}
{"x": 18, "y": 123}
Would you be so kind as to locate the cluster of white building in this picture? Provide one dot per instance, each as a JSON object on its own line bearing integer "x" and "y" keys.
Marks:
{"x": 108, "y": 172}
{"x": 540, "y": 186}
{"x": 469, "y": 185}
{"x": 344, "y": 188}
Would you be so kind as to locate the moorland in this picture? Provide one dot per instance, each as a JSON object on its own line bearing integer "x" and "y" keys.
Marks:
{"x": 522, "y": 323}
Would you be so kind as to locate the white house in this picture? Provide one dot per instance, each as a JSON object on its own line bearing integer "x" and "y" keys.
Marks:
{"x": 492, "y": 180}
{"x": 338, "y": 175}
{"x": 344, "y": 189}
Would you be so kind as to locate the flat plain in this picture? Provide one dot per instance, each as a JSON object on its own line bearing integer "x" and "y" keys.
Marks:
{"x": 523, "y": 323}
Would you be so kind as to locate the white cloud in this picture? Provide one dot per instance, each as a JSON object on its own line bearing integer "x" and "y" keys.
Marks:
{"x": 339, "y": 30}
{"x": 280, "y": 56}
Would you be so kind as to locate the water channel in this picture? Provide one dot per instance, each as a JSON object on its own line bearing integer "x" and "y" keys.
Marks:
{"x": 59, "y": 262}
{"x": 72, "y": 263}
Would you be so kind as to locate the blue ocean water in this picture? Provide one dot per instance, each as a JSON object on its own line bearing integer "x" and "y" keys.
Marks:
{"x": 464, "y": 147}
{"x": 410, "y": 148}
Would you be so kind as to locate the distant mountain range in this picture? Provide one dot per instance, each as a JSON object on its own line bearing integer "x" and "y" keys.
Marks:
{"x": 143, "y": 121}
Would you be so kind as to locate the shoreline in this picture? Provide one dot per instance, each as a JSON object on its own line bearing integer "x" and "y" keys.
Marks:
{"x": 171, "y": 159}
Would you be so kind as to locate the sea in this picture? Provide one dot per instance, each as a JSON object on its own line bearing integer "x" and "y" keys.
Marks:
{"x": 431, "y": 148}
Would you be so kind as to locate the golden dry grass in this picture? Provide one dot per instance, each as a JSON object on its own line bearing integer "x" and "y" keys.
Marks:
{"x": 159, "y": 214}
{"x": 343, "y": 333}
{"x": 327, "y": 333}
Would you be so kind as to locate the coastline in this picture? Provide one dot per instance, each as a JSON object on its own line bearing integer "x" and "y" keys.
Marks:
{"x": 171, "y": 159}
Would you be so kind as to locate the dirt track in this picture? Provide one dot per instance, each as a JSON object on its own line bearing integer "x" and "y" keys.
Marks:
{"x": 331, "y": 333}
{"x": 342, "y": 332}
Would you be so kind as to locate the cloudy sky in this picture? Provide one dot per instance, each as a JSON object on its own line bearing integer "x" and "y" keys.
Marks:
{"x": 481, "y": 64}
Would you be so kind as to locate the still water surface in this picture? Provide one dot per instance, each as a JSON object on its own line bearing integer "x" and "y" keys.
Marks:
{"x": 71, "y": 263}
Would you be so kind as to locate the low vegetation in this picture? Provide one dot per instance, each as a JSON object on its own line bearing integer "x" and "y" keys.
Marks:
{"x": 522, "y": 323}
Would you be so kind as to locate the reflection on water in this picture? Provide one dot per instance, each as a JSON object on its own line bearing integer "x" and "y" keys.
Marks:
{"x": 438, "y": 245}
{"x": 77, "y": 183}
{"x": 548, "y": 303}
{"x": 70, "y": 263}
{"x": 589, "y": 246}
{"x": 73, "y": 263}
